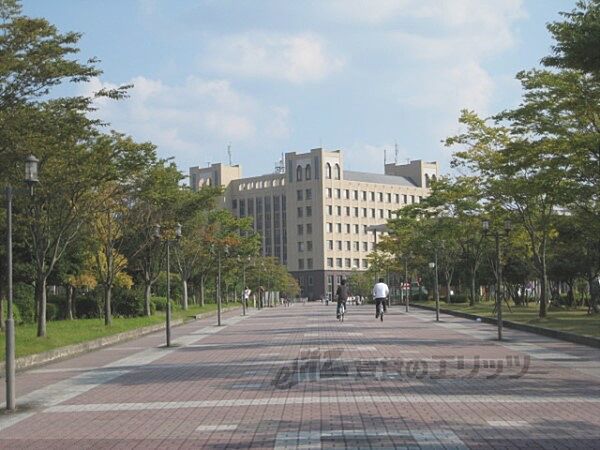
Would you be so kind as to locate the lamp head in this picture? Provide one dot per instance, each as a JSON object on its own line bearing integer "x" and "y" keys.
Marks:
{"x": 156, "y": 233}
{"x": 431, "y": 265}
{"x": 31, "y": 170}
{"x": 178, "y": 231}
{"x": 485, "y": 225}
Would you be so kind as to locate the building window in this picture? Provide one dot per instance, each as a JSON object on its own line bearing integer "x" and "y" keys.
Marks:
{"x": 397, "y": 198}
{"x": 356, "y": 263}
{"x": 309, "y": 265}
{"x": 336, "y": 171}
{"x": 356, "y": 228}
{"x": 308, "y": 194}
{"x": 299, "y": 195}
{"x": 301, "y": 264}
{"x": 373, "y": 212}
{"x": 365, "y": 264}
{"x": 309, "y": 228}
{"x": 389, "y": 213}
{"x": 309, "y": 211}
{"x": 348, "y": 263}
{"x": 307, "y": 172}
{"x": 365, "y": 246}
{"x": 381, "y": 196}
{"x": 338, "y": 262}
{"x": 372, "y": 196}
{"x": 328, "y": 171}
{"x": 338, "y": 226}
{"x": 300, "y": 246}
{"x": 347, "y": 211}
{"x": 348, "y": 228}
{"x": 381, "y": 214}
{"x": 338, "y": 193}
{"x": 329, "y": 227}
{"x": 427, "y": 180}
{"x": 364, "y": 212}
{"x": 300, "y": 211}
{"x": 355, "y": 212}
{"x": 328, "y": 192}
{"x": 339, "y": 210}
{"x": 405, "y": 199}
{"x": 330, "y": 245}
{"x": 356, "y": 246}
{"x": 300, "y": 230}
{"x": 299, "y": 173}
{"x": 347, "y": 194}
{"x": 348, "y": 246}
{"x": 364, "y": 195}
{"x": 412, "y": 199}
{"x": 309, "y": 246}
{"x": 389, "y": 198}
{"x": 355, "y": 195}
{"x": 329, "y": 210}
{"x": 234, "y": 203}
{"x": 338, "y": 244}
{"x": 329, "y": 262}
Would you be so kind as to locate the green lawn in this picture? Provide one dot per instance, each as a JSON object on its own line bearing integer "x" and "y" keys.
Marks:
{"x": 61, "y": 333}
{"x": 573, "y": 321}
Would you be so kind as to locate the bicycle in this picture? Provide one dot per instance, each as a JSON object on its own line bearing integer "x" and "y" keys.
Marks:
{"x": 341, "y": 312}
{"x": 380, "y": 310}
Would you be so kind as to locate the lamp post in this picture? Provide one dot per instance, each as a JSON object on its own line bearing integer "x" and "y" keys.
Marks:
{"x": 31, "y": 178}
{"x": 434, "y": 265}
{"x": 406, "y": 288}
{"x": 485, "y": 224}
{"x": 168, "y": 240}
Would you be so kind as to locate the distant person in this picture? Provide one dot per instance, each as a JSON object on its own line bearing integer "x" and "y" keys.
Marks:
{"x": 342, "y": 295}
{"x": 380, "y": 294}
{"x": 247, "y": 293}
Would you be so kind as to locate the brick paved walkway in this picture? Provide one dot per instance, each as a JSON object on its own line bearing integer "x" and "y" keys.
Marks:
{"x": 297, "y": 378}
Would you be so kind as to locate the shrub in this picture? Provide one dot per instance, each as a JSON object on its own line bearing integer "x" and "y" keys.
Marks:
{"x": 88, "y": 304}
{"x": 24, "y": 299}
{"x": 127, "y": 302}
{"x": 60, "y": 303}
{"x": 52, "y": 311}
{"x": 461, "y": 298}
{"x": 160, "y": 303}
{"x": 16, "y": 312}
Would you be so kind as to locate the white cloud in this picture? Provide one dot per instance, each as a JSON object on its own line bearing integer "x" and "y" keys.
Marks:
{"x": 197, "y": 117}
{"x": 296, "y": 58}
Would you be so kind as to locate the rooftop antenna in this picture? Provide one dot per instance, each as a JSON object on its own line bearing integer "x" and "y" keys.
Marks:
{"x": 396, "y": 153}
{"x": 207, "y": 163}
{"x": 280, "y": 165}
{"x": 229, "y": 152}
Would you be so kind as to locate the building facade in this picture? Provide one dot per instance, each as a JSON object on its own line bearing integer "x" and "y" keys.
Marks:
{"x": 316, "y": 217}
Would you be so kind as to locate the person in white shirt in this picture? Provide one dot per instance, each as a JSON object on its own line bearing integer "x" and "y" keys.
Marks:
{"x": 380, "y": 293}
{"x": 247, "y": 293}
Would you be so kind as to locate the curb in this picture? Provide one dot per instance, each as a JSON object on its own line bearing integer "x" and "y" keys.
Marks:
{"x": 556, "y": 334}
{"x": 70, "y": 351}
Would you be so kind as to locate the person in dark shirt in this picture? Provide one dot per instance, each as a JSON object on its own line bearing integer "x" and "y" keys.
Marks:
{"x": 342, "y": 295}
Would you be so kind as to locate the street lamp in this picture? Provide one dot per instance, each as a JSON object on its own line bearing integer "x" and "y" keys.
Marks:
{"x": 485, "y": 225}
{"x": 31, "y": 178}
{"x": 218, "y": 250}
{"x": 168, "y": 239}
{"x": 434, "y": 265}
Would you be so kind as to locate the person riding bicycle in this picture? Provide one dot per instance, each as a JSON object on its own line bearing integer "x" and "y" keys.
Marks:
{"x": 380, "y": 294}
{"x": 342, "y": 295}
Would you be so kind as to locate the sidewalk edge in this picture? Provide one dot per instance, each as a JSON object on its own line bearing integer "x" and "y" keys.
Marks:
{"x": 556, "y": 334}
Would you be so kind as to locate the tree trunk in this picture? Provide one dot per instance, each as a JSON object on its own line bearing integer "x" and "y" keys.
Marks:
{"x": 70, "y": 295}
{"x": 184, "y": 303}
{"x": 201, "y": 291}
{"x": 2, "y": 297}
{"x": 544, "y": 292}
{"x": 107, "y": 311}
{"x": 448, "y": 294}
{"x": 472, "y": 288}
{"x": 147, "y": 295}
{"x": 40, "y": 297}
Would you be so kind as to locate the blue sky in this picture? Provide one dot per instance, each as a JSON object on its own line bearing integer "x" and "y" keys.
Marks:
{"x": 271, "y": 76}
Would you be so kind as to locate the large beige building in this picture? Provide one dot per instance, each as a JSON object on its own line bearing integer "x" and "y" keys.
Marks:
{"x": 315, "y": 216}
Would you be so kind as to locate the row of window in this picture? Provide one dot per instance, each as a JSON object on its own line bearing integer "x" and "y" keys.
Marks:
{"x": 261, "y": 184}
{"x": 308, "y": 246}
{"x": 346, "y": 228}
{"x": 351, "y": 245}
{"x": 303, "y": 194}
{"x": 301, "y": 211}
{"x": 348, "y": 263}
{"x": 309, "y": 264}
{"x": 372, "y": 196}
{"x": 301, "y": 229}
{"x": 305, "y": 172}
{"x": 373, "y": 213}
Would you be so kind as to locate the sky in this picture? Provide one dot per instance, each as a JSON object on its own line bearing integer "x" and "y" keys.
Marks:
{"x": 274, "y": 76}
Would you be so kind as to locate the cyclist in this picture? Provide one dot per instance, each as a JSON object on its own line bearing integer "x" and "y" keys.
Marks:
{"x": 380, "y": 293}
{"x": 342, "y": 295}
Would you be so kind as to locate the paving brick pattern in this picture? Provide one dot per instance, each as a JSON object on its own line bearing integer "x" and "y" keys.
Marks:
{"x": 297, "y": 378}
